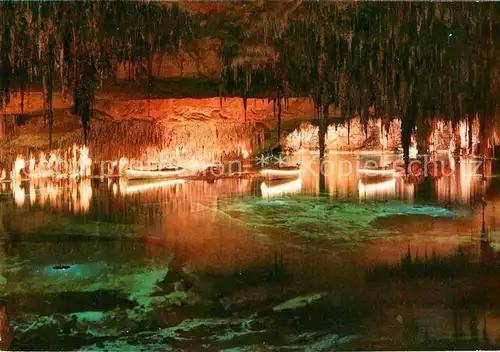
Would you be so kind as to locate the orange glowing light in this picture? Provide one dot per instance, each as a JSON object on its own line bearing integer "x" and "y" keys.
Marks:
{"x": 375, "y": 190}
{"x": 244, "y": 152}
{"x": 152, "y": 174}
{"x": 131, "y": 189}
{"x": 270, "y": 173}
{"x": 19, "y": 194}
{"x": 58, "y": 165}
{"x": 269, "y": 190}
{"x": 19, "y": 165}
{"x": 32, "y": 194}
{"x": 377, "y": 172}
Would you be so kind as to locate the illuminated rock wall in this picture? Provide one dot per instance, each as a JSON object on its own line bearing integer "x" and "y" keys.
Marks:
{"x": 346, "y": 137}
{"x": 142, "y": 139}
{"x": 188, "y": 128}
{"x": 351, "y": 137}
{"x": 175, "y": 129}
{"x": 176, "y": 142}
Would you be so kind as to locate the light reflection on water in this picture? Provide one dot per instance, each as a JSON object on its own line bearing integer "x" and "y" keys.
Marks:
{"x": 178, "y": 209}
{"x": 69, "y": 196}
{"x": 335, "y": 229}
{"x": 341, "y": 180}
{"x": 281, "y": 188}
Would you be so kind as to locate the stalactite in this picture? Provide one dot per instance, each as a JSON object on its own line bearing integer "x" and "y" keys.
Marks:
{"x": 313, "y": 53}
{"x": 279, "y": 117}
{"x": 61, "y": 69}
{"x": 84, "y": 94}
{"x": 221, "y": 94}
{"x": 470, "y": 121}
{"x": 348, "y": 131}
{"x": 323, "y": 128}
{"x": 48, "y": 83}
{"x": 483, "y": 137}
{"x": 274, "y": 107}
{"x": 5, "y": 68}
{"x": 245, "y": 103}
{"x": 150, "y": 69}
{"x": 407, "y": 127}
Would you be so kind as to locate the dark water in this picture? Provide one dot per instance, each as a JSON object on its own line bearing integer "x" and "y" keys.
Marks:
{"x": 311, "y": 263}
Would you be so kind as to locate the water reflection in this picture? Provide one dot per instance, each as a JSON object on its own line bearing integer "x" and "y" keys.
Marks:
{"x": 19, "y": 194}
{"x": 63, "y": 195}
{"x": 379, "y": 190}
{"x": 131, "y": 188}
{"x": 281, "y": 188}
{"x": 467, "y": 182}
{"x": 406, "y": 255}
{"x": 5, "y": 333}
{"x": 464, "y": 274}
{"x": 341, "y": 179}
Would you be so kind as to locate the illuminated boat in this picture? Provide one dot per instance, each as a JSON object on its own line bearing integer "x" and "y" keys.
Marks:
{"x": 138, "y": 174}
{"x": 377, "y": 172}
{"x": 278, "y": 188}
{"x": 277, "y": 173}
{"x": 375, "y": 180}
{"x": 142, "y": 186}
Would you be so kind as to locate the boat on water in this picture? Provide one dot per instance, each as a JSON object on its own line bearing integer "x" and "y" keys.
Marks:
{"x": 383, "y": 171}
{"x": 375, "y": 180}
{"x": 139, "y": 186}
{"x": 278, "y": 173}
{"x": 278, "y": 188}
{"x": 139, "y": 174}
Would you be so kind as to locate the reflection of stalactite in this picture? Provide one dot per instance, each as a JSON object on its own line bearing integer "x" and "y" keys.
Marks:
{"x": 278, "y": 270}
{"x": 483, "y": 137}
{"x": 245, "y": 104}
{"x": 473, "y": 325}
{"x": 48, "y": 83}
{"x": 457, "y": 325}
{"x": 323, "y": 127}
{"x": 322, "y": 137}
{"x": 485, "y": 330}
